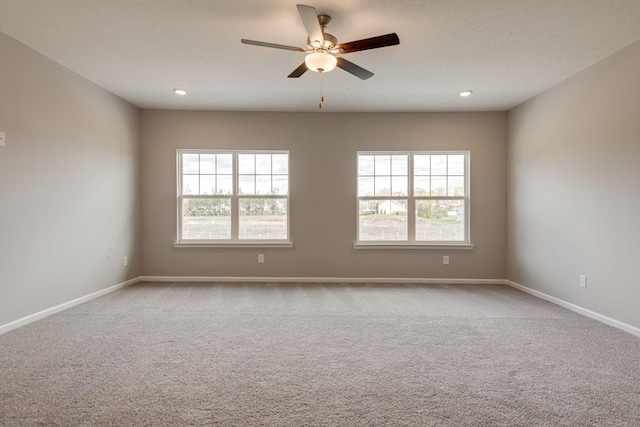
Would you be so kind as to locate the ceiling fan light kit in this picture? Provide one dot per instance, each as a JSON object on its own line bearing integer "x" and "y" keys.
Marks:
{"x": 320, "y": 62}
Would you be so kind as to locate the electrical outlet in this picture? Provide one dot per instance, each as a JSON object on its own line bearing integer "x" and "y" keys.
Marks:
{"x": 260, "y": 258}
{"x": 126, "y": 261}
{"x": 3, "y": 140}
{"x": 445, "y": 259}
{"x": 583, "y": 281}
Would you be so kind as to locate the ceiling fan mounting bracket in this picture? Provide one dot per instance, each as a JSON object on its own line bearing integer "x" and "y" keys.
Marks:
{"x": 324, "y": 21}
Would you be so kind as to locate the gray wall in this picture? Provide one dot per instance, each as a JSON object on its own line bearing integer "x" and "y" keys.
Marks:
{"x": 323, "y": 186}
{"x": 69, "y": 185}
{"x": 573, "y": 198}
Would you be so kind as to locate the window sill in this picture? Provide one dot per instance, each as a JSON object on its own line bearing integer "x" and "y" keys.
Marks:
{"x": 393, "y": 245}
{"x": 233, "y": 244}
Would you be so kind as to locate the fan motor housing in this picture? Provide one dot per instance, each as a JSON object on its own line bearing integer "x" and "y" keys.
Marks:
{"x": 329, "y": 41}
{"x": 331, "y": 38}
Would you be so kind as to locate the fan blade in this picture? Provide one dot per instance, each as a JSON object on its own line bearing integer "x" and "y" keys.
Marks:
{"x": 371, "y": 43}
{"x": 310, "y": 20}
{"x": 273, "y": 45}
{"x": 354, "y": 69}
{"x": 298, "y": 71}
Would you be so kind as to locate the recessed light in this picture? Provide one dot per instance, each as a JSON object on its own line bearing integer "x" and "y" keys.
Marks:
{"x": 466, "y": 93}
{"x": 180, "y": 91}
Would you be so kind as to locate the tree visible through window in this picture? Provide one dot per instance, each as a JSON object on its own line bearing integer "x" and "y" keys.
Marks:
{"x": 419, "y": 197}
{"x": 233, "y": 196}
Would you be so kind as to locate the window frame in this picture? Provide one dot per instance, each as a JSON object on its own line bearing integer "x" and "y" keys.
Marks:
{"x": 411, "y": 198}
{"x": 235, "y": 197}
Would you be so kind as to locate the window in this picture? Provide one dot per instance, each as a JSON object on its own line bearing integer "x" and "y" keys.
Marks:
{"x": 417, "y": 199}
{"x": 233, "y": 197}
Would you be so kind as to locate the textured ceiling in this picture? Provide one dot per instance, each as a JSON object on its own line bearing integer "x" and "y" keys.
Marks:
{"x": 505, "y": 50}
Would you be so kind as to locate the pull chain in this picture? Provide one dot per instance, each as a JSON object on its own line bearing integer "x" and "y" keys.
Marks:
{"x": 321, "y": 93}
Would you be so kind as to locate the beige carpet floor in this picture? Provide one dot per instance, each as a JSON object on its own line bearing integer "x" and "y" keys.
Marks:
{"x": 164, "y": 354}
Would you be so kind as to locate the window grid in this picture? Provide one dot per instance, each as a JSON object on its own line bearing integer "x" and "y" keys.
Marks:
{"x": 391, "y": 177}
{"x": 218, "y": 178}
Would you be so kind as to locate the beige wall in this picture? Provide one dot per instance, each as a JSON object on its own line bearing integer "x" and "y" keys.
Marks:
{"x": 323, "y": 206}
{"x": 573, "y": 198}
{"x": 69, "y": 185}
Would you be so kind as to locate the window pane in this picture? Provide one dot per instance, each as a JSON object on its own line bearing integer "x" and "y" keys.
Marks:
{"x": 280, "y": 164}
{"x": 263, "y": 164}
{"x": 263, "y": 184}
{"x": 190, "y": 184}
{"x": 439, "y": 165}
{"x": 246, "y": 184}
{"x": 365, "y": 186}
{"x": 399, "y": 185}
{"x": 422, "y": 185}
{"x": 205, "y": 219}
{"x": 438, "y": 185}
{"x": 455, "y": 186}
{"x": 262, "y": 219}
{"x": 225, "y": 164}
{"x": 440, "y": 220}
{"x": 383, "y": 165}
{"x": 207, "y": 163}
{"x": 383, "y": 185}
{"x": 456, "y": 165}
{"x": 365, "y": 165}
{"x": 280, "y": 185}
{"x": 207, "y": 184}
{"x": 225, "y": 185}
{"x": 268, "y": 177}
{"x": 190, "y": 163}
{"x": 399, "y": 165}
{"x": 422, "y": 164}
{"x": 246, "y": 163}
{"x": 381, "y": 220}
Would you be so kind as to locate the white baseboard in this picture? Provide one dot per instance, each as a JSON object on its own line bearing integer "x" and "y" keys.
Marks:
{"x": 576, "y": 308}
{"x": 317, "y": 280}
{"x": 49, "y": 311}
{"x": 580, "y": 310}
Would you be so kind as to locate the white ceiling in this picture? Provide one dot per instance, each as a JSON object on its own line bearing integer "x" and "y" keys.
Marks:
{"x": 505, "y": 50}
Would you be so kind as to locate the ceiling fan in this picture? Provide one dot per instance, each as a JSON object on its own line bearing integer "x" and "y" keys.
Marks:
{"x": 322, "y": 48}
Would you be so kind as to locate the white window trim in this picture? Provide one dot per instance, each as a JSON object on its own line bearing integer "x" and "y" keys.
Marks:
{"x": 235, "y": 218}
{"x": 249, "y": 244}
{"x": 411, "y": 243}
{"x": 406, "y": 245}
